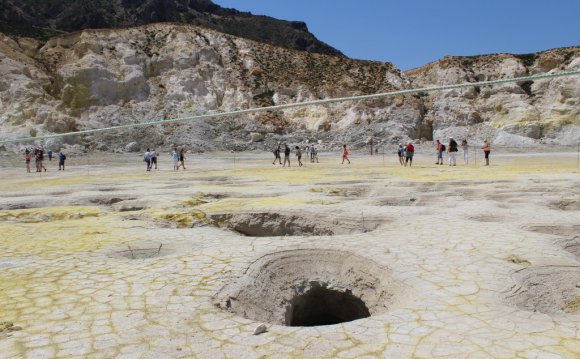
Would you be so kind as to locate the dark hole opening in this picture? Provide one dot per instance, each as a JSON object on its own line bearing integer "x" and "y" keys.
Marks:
{"x": 322, "y": 306}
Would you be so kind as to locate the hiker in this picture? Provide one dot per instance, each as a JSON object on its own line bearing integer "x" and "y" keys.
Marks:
{"x": 50, "y": 155}
{"x": 409, "y": 153}
{"x": 277, "y": 155}
{"x": 344, "y": 154}
{"x": 147, "y": 159}
{"x": 307, "y": 148}
{"x": 61, "y": 159}
{"x": 181, "y": 158}
{"x": 313, "y": 154}
{"x": 299, "y": 155}
{"x": 440, "y": 150}
{"x": 486, "y": 150}
{"x": 154, "y": 158}
{"x": 286, "y": 155}
{"x": 39, "y": 158}
{"x": 401, "y": 152}
{"x": 175, "y": 158}
{"x": 465, "y": 148}
{"x": 27, "y": 158}
{"x": 451, "y": 151}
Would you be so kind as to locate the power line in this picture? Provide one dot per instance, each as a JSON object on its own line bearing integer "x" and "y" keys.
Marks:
{"x": 301, "y": 104}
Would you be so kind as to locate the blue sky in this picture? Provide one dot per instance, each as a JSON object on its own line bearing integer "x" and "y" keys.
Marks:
{"x": 412, "y": 33}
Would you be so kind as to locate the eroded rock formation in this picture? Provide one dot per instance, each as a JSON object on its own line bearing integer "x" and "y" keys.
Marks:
{"x": 98, "y": 78}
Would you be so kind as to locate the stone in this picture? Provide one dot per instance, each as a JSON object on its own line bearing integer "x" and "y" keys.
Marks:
{"x": 262, "y": 328}
{"x": 257, "y": 137}
{"x": 132, "y": 147}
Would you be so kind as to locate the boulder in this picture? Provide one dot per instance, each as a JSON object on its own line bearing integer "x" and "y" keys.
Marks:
{"x": 132, "y": 147}
{"x": 257, "y": 137}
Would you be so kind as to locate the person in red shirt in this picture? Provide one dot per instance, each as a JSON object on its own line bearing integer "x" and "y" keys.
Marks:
{"x": 345, "y": 154}
{"x": 440, "y": 150}
{"x": 486, "y": 150}
{"x": 409, "y": 153}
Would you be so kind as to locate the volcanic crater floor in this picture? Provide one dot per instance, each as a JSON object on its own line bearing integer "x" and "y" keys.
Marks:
{"x": 337, "y": 261}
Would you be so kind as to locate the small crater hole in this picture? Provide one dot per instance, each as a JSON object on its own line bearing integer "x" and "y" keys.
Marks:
{"x": 323, "y": 306}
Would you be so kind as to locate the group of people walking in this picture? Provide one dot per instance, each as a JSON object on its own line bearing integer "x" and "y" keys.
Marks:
{"x": 405, "y": 155}
{"x": 311, "y": 152}
{"x": 452, "y": 148}
{"x": 38, "y": 154}
{"x": 177, "y": 155}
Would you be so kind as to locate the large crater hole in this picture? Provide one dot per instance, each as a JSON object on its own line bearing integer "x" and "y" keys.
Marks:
{"x": 267, "y": 224}
{"x": 311, "y": 287}
{"x": 323, "y": 306}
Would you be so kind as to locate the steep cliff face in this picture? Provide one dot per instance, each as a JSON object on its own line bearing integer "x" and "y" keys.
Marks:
{"x": 99, "y": 78}
{"x": 515, "y": 113}
{"x": 44, "y": 18}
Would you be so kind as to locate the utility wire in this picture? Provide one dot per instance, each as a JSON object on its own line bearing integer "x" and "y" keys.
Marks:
{"x": 301, "y": 104}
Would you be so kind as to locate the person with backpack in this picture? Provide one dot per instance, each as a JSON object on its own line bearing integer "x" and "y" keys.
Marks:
{"x": 409, "y": 153}
{"x": 147, "y": 159}
{"x": 440, "y": 150}
{"x": 61, "y": 159}
{"x": 277, "y": 155}
{"x": 452, "y": 150}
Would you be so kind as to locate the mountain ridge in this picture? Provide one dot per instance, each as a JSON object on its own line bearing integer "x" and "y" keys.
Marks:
{"x": 19, "y": 17}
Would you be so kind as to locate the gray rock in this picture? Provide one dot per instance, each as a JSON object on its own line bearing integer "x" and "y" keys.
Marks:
{"x": 132, "y": 147}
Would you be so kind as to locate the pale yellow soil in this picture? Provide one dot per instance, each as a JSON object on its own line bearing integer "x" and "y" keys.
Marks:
{"x": 453, "y": 236}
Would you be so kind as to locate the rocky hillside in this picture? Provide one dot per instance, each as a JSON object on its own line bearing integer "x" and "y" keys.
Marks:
{"x": 97, "y": 78}
{"x": 44, "y": 18}
{"x": 515, "y": 113}
{"x": 100, "y": 78}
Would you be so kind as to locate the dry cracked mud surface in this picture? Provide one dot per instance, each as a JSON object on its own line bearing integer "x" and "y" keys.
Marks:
{"x": 106, "y": 260}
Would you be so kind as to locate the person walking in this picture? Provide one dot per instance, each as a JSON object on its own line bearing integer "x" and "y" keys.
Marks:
{"x": 345, "y": 154}
{"x": 27, "y": 158}
{"x": 440, "y": 150}
{"x": 286, "y": 155}
{"x": 154, "y": 158}
{"x": 401, "y": 153}
{"x": 50, "y": 155}
{"x": 465, "y": 148}
{"x": 175, "y": 158}
{"x": 277, "y": 155}
{"x": 181, "y": 158}
{"x": 451, "y": 152}
{"x": 409, "y": 153}
{"x": 61, "y": 159}
{"x": 147, "y": 159}
{"x": 313, "y": 154}
{"x": 39, "y": 157}
{"x": 486, "y": 151}
{"x": 299, "y": 155}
